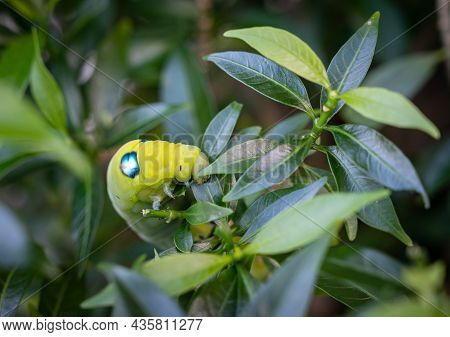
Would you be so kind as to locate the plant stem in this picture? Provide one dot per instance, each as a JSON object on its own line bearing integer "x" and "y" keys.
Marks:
{"x": 320, "y": 122}
{"x": 168, "y": 214}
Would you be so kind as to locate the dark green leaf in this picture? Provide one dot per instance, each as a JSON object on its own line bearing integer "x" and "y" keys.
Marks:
{"x": 264, "y": 76}
{"x": 135, "y": 121}
{"x": 15, "y": 246}
{"x": 104, "y": 298}
{"x": 379, "y": 158}
{"x": 350, "y": 177}
{"x": 289, "y": 290}
{"x": 434, "y": 167}
{"x": 349, "y": 66}
{"x": 13, "y": 289}
{"x": 183, "y": 239}
{"x": 356, "y": 277}
{"x": 63, "y": 295}
{"x": 390, "y": 108}
{"x": 16, "y": 62}
{"x": 246, "y": 288}
{"x": 46, "y": 91}
{"x": 259, "y": 205}
{"x": 268, "y": 170}
{"x": 245, "y": 135}
{"x": 279, "y": 205}
{"x": 177, "y": 274}
{"x": 220, "y": 129}
{"x": 305, "y": 221}
{"x": 87, "y": 210}
{"x": 9, "y": 160}
{"x": 182, "y": 82}
{"x": 238, "y": 158}
{"x": 218, "y": 298}
{"x": 202, "y": 212}
{"x": 289, "y": 127}
{"x": 285, "y": 49}
{"x": 137, "y": 296}
{"x": 317, "y": 173}
{"x": 211, "y": 191}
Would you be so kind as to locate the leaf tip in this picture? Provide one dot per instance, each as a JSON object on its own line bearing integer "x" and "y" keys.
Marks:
{"x": 374, "y": 19}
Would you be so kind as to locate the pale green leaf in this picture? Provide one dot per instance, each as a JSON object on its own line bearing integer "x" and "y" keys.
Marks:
{"x": 285, "y": 49}
{"x": 46, "y": 91}
{"x": 305, "y": 221}
{"x": 390, "y": 108}
{"x": 177, "y": 274}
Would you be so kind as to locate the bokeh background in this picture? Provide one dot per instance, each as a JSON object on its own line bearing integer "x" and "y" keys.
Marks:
{"x": 151, "y": 51}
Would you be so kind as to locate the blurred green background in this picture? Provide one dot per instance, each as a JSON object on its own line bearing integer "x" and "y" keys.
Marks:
{"x": 151, "y": 51}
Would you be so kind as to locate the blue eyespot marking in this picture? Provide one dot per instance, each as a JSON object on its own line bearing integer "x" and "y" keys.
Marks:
{"x": 129, "y": 164}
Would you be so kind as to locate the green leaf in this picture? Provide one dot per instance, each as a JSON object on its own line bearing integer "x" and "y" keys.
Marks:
{"x": 434, "y": 167}
{"x": 396, "y": 75}
{"x": 132, "y": 123}
{"x": 15, "y": 246}
{"x": 289, "y": 127}
{"x": 350, "y": 177}
{"x": 87, "y": 209}
{"x": 264, "y": 76}
{"x": 259, "y": 205}
{"x": 46, "y": 91}
{"x": 63, "y": 296}
{"x": 177, "y": 274}
{"x": 218, "y": 298}
{"x": 238, "y": 158}
{"x": 137, "y": 296}
{"x": 285, "y": 49}
{"x": 317, "y": 173}
{"x": 211, "y": 191}
{"x": 13, "y": 290}
{"x": 351, "y": 227}
{"x": 379, "y": 158}
{"x": 104, "y": 298}
{"x": 279, "y": 205}
{"x": 22, "y": 128}
{"x": 246, "y": 288}
{"x": 359, "y": 276}
{"x": 350, "y": 64}
{"x": 9, "y": 160}
{"x": 270, "y": 169}
{"x": 305, "y": 221}
{"x": 390, "y": 108}
{"x": 202, "y": 212}
{"x": 16, "y": 62}
{"x": 289, "y": 290}
{"x": 405, "y": 74}
{"x": 183, "y": 239}
{"x": 219, "y": 131}
{"x": 245, "y": 135}
{"x": 183, "y": 82}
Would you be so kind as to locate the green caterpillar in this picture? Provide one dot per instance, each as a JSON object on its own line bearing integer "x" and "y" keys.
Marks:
{"x": 141, "y": 174}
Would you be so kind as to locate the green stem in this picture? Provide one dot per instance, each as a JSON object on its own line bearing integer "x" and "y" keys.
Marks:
{"x": 168, "y": 214}
{"x": 320, "y": 122}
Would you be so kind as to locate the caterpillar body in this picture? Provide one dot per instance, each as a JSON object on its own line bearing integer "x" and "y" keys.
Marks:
{"x": 141, "y": 174}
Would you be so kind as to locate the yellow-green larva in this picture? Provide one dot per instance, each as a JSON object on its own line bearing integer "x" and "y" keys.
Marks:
{"x": 141, "y": 175}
